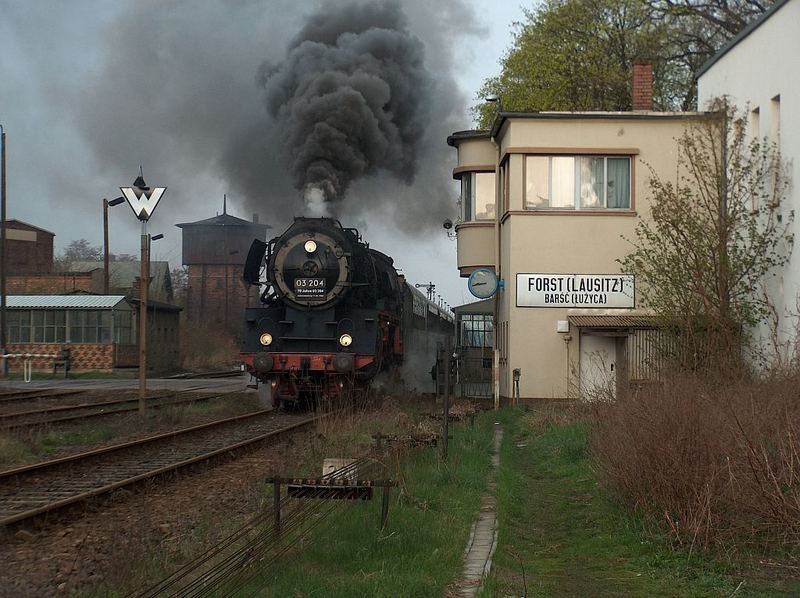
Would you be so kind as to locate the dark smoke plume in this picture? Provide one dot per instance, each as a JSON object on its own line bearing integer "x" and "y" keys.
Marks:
{"x": 350, "y": 99}
{"x": 192, "y": 101}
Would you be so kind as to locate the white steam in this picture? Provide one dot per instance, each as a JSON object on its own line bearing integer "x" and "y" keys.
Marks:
{"x": 316, "y": 206}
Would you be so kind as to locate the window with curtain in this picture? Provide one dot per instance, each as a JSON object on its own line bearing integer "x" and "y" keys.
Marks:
{"x": 577, "y": 182}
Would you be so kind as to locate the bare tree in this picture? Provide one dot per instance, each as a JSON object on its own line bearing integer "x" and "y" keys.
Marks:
{"x": 702, "y": 257}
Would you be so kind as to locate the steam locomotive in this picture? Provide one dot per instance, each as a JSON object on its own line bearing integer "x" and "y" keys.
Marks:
{"x": 334, "y": 314}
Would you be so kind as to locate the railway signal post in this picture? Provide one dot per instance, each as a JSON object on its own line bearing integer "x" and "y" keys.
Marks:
{"x": 143, "y": 201}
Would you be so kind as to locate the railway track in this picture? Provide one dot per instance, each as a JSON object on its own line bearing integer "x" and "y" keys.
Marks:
{"x": 32, "y": 490}
{"x": 34, "y": 394}
{"x": 69, "y": 413}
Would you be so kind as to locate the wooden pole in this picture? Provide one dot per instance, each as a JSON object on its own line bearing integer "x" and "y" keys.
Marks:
{"x": 105, "y": 247}
{"x": 3, "y": 255}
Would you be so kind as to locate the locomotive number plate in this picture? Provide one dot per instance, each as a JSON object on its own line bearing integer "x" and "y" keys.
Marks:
{"x": 309, "y": 288}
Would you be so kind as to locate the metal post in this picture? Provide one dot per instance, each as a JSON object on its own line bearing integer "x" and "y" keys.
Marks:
{"x": 105, "y": 247}
{"x": 144, "y": 283}
{"x": 276, "y": 505}
{"x": 3, "y": 256}
{"x": 447, "y": 358}
{"x": 385, "y": 504}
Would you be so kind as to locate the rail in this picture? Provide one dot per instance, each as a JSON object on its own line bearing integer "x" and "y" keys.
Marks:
{"x": 35, "y": 489}
{"x": 39, "y": 417}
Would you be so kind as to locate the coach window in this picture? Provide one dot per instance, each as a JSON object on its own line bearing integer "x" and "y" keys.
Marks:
{"x": 577, "y": 182}
{"x": 477, "y": 196}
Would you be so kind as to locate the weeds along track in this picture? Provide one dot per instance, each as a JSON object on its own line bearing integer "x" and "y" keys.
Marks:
{"x": 236, "y": 565}
{"x": 35, "y": 489}
{"x": 71, "y": 413}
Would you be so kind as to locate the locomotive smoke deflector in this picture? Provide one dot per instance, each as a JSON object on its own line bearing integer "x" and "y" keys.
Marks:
{"x": 255, "y": 257}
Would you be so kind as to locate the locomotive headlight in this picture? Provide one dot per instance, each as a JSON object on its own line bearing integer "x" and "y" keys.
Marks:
{"x": 265, "y": 339}
{"x": 345, "y": 340}
{"x": 310, "y": 246}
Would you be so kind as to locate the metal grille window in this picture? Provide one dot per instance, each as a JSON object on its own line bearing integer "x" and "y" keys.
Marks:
{"x": 477, "y": 330}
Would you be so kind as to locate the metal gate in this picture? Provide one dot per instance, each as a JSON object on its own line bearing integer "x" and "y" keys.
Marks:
{"x": 475, "y": 372}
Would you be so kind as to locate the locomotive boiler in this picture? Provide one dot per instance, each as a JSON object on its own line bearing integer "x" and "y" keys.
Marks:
{"x": 334, "y": 313}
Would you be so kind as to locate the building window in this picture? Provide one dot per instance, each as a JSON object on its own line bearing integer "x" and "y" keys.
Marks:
{"x": 19, "y": 326}
{"x": 577, "y": 182}
{"x": 477, "y": 196}
{"x": 775, "y": 120}
{"x": 122, "y": 327}
{"x": 755, "y": 123}
{"x": 503, "y": 188}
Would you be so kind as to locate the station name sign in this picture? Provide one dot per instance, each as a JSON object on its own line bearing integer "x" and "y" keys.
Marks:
{"x": 602, "y": 291}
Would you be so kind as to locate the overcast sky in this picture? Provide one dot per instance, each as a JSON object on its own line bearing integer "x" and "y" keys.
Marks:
{"x": 90, "y": 89}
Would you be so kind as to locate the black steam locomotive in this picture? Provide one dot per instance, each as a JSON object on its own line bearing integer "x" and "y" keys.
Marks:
{"x": 334, "y": 314}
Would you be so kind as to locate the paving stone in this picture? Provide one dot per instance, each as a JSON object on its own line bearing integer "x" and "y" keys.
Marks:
{"x": 483, "y": 537}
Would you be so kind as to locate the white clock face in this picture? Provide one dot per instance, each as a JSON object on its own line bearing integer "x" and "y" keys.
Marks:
{"x": 482, "y": 283}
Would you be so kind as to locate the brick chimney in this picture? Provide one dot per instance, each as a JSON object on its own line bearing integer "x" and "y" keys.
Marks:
{"x": 642, "y": 86}
{"x": 255, "y": 217}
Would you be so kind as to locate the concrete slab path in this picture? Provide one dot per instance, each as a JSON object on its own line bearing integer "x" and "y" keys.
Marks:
{"x": 483, "y": 538}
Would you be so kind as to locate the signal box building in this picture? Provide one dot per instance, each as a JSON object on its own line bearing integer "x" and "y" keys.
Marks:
{"x": 548, "y": 202}
{"x": 214, "y": 250}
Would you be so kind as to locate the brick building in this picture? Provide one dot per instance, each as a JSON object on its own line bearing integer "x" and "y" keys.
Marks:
{"x": 123, "y": 278}
{"x": 214, "y": 250}
{"x": 100, "y": 330}
{"x": 87, "y": 277}
{"x": 30, "y": 248}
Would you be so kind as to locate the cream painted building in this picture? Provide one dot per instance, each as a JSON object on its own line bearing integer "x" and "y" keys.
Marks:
{"x": 548, "y": 200}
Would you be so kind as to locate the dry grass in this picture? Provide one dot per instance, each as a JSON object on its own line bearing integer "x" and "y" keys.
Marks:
{"x": 12, "y": 449}
{"x": 348, "y": 432}
{"x": 715, "y": 459}
{"x": 204, "y": 349}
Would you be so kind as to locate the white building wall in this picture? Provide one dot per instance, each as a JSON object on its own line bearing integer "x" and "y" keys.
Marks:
{"x": 762, "y": 72}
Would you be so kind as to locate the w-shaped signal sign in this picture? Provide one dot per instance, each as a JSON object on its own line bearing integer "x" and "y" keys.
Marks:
{"x": 143, "y": 202}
